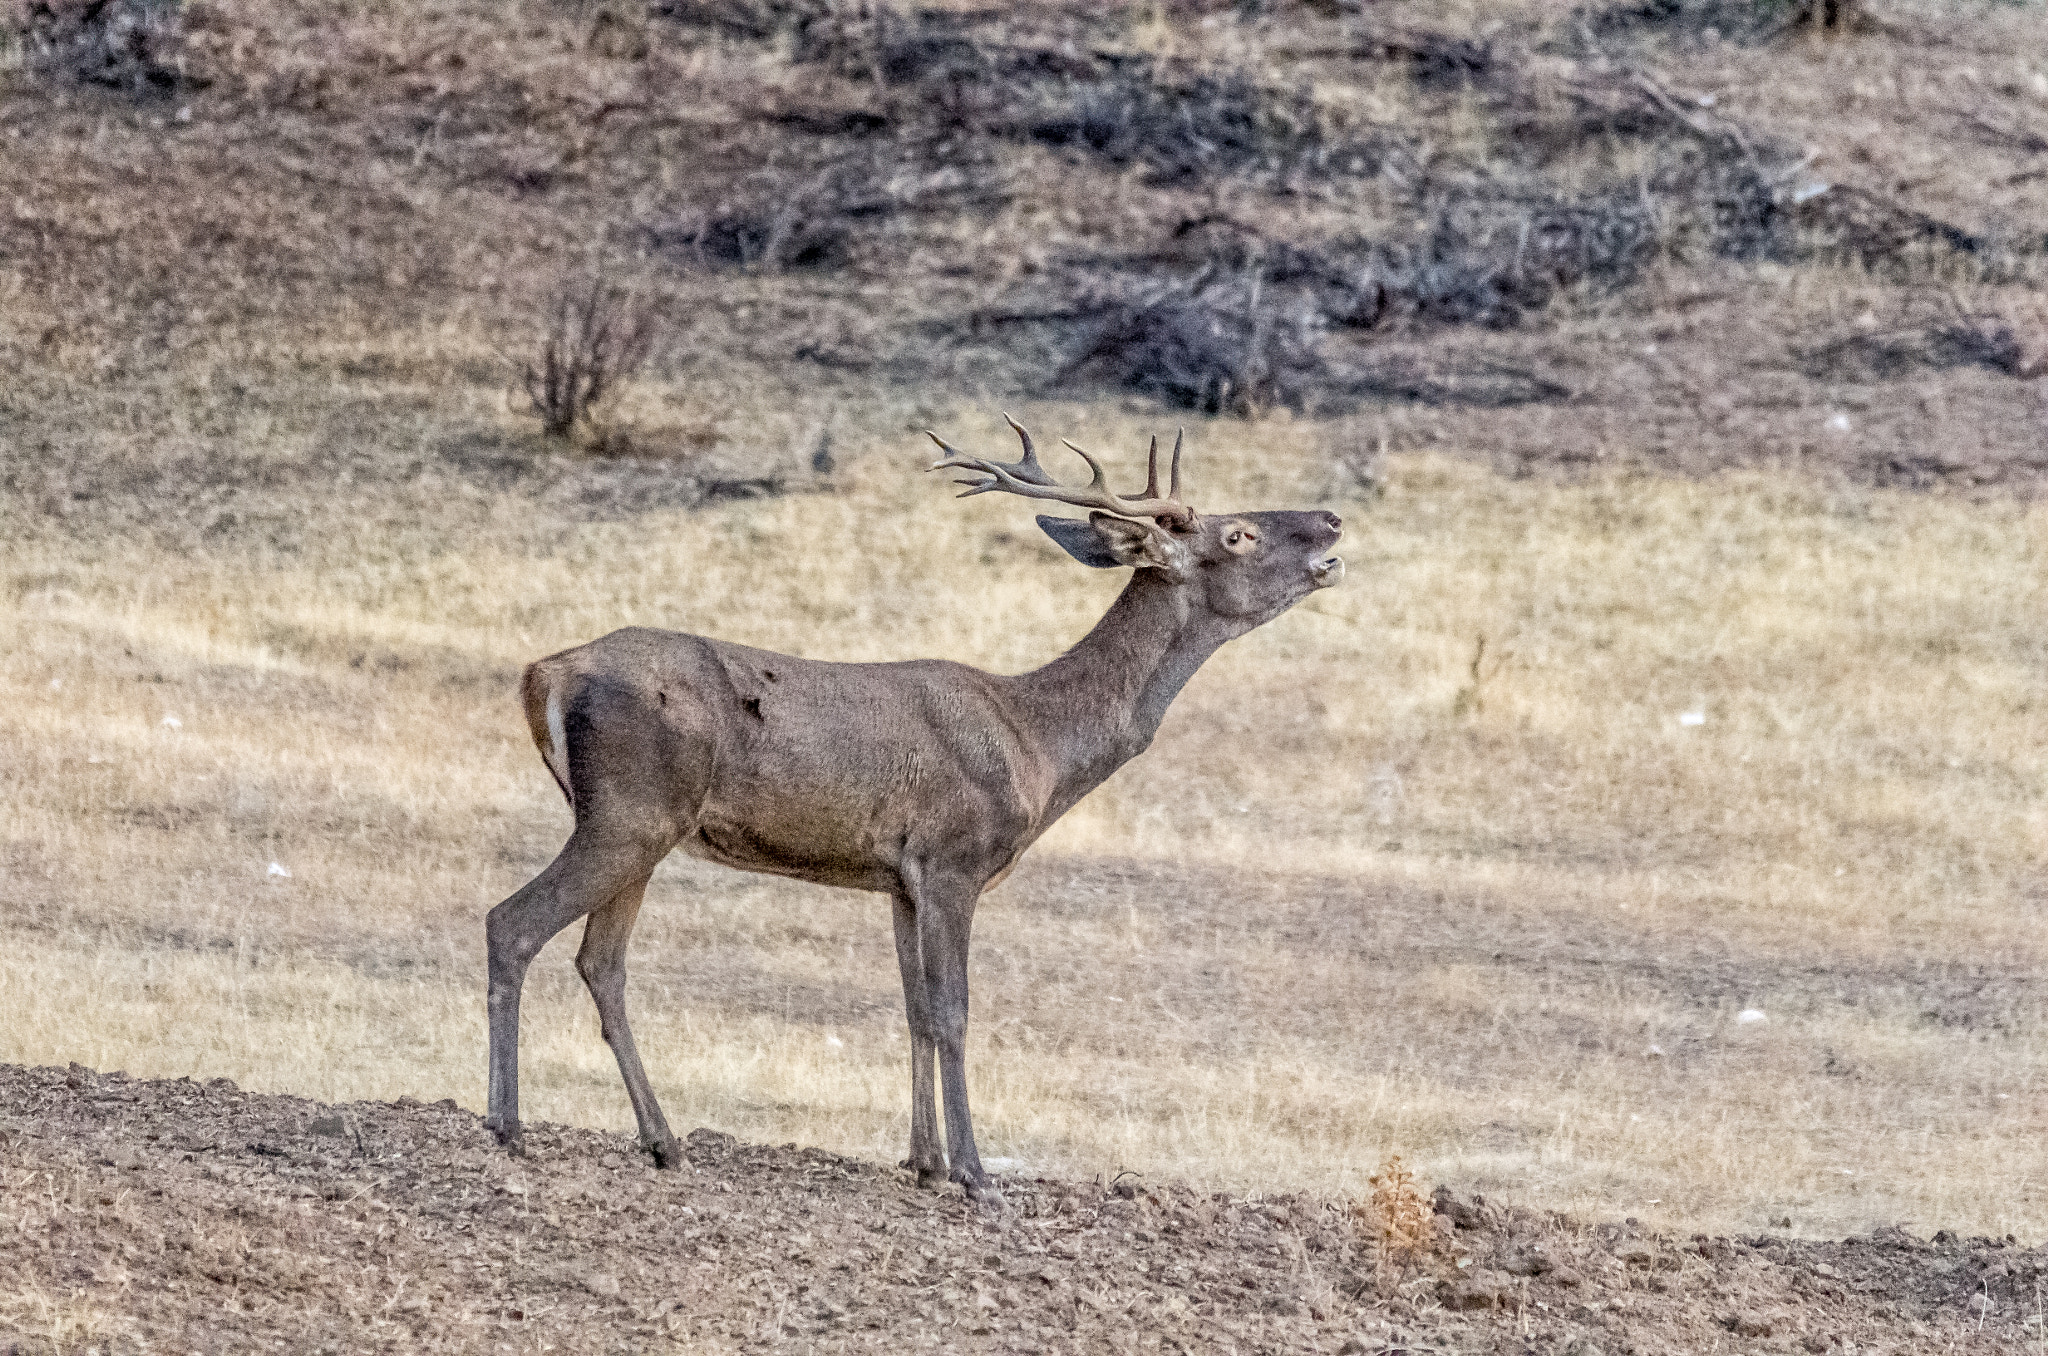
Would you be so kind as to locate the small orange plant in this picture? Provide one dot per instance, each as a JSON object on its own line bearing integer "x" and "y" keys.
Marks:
{"x": 1397, "y": 1213}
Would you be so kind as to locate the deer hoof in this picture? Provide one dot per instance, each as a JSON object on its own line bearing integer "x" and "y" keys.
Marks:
{"x": 666, "y": 1153}
{"x": 508, "y": 1137}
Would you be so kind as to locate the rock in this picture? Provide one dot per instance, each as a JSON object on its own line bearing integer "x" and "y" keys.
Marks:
{"x": 601, "y": 1285}
{"x": 1565, "y": 1276}
{"x": 1530, "y": 1261}
{"x": 1980, "y": 1304}
{"x": 1584, "y": 1346}
{"x": 1354, "y": 1345}
{"x": 1479, "y": 1288}
{"x": 1747, "y": 1323}
{"x": 1460, "y": 1214}
{"x": 329, "y": 1126}
{"x": 1636, "y": 1253}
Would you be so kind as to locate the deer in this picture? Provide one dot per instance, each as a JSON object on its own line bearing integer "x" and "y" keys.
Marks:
{"x": 923, "y": 780}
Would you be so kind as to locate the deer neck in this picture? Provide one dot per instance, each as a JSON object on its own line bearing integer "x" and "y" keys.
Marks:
{"x": 1098, "y": 705}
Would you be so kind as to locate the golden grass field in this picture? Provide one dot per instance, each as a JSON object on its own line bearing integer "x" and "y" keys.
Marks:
{"x": 1354, "y": 902}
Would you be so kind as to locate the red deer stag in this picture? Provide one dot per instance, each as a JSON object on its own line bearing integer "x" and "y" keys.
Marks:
{"x": 924, "y": 781}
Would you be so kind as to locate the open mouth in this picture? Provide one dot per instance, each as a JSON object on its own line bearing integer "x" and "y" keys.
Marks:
{"x": 1328, "y": 571}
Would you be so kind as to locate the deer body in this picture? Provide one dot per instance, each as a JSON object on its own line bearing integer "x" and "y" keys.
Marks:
{"x": 925, "y": 780}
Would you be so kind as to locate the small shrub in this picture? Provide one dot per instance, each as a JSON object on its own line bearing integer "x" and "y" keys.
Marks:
{"x": 773, "y": 222}
{"x": 1398, "y": 1216}
{"x": 1739, "y": 20}
{"x": 777, "y": 219}
{"x": 1215, "y": 344}
{"x": 1825, "y": 15}
{"x": 1184, "y": 128}
{"x": 131, "y": 45}
{"x": 596, "y": 336}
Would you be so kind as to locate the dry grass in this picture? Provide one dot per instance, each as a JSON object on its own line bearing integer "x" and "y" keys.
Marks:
{"x": 1324, "y": 919}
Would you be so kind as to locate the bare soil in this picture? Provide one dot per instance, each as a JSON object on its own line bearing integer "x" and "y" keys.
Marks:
{"x": 159, "y": 1215}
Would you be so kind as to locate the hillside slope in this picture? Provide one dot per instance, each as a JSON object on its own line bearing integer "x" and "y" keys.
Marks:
{"x": 142, "y": 1215}
{"x": 1551, "y": 236}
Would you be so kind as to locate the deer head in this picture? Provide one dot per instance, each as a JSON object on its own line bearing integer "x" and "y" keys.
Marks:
{"x": 1242, "y": 568}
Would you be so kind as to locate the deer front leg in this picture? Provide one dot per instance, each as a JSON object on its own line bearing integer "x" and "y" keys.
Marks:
{"x": 926, "y": 1158}
{"x": 945, "y": 917}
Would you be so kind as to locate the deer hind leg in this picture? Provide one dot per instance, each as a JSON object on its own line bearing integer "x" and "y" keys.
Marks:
{"x": 602, "y": 962}
{"x": 926, "y": 1157}
{"x": 585, "y": 875}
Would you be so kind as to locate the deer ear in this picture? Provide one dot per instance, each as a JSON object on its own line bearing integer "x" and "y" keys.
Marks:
{"x": 1078, "y": 538}
{"x": 1141, "y": 546}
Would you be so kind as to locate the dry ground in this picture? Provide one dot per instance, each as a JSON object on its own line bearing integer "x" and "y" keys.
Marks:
{"x": 1755, "y": 726}
{"x": 167, "y": 1216}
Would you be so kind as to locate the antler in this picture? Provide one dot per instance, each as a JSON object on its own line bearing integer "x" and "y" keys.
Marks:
{"x": 1027, "y": 478}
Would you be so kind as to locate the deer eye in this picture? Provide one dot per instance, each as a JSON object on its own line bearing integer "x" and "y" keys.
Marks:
{"x": 1240, "y": 540}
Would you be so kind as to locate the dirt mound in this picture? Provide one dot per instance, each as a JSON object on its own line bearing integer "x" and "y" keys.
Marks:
{"x": 145, "y": 1215}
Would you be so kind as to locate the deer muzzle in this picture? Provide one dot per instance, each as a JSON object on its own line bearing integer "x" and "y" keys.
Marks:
{"x": 1328, "y": 573}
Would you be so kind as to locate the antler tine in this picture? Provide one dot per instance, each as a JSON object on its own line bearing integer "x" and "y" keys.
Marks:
{"x": 1028, "y": 479}
{"x": 1152, "y": 469}
{"x": 1024, "y": 437}
{"x": 1098, "y": 482}
{"x": 1172, "y": 490}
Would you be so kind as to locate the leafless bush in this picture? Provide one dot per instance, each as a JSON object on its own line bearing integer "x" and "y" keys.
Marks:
{"x": 1740, "y": 20}
{"x": 1434, "y": 60}
{"x": 772, "y": 221}
{"x": 131, "y": 45}
{"x": 1481, "y": 262}
{"x": 596, "y": 336}
{"x": 1825, "y": 15}
{"x": 1213, "y": 343}
{"x": 777, "y": 219}
{"x": 1961, "y": 339}
{"x": 965, "y": 71}
{"x": 1184, "y": 128}
{"x": 1489, "y": 267}
{"x": 1874, "y": 231}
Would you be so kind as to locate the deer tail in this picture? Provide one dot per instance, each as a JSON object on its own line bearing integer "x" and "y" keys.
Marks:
{"x": 541, "y": 693}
